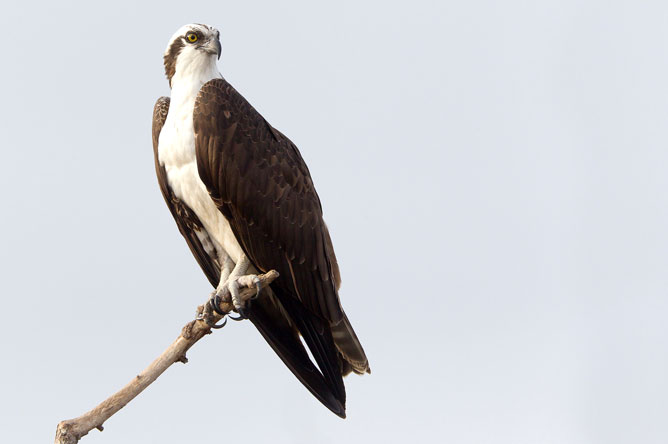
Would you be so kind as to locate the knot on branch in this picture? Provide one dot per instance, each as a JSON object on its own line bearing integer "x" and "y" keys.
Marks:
{"x": 187, "y": 330}
{"x": 65, "y": 433}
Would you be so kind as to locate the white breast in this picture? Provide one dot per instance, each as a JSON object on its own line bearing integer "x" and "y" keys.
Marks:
{"x": 176, "y": 151}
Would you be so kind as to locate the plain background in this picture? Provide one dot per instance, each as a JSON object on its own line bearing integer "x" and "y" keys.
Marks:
{"x": 493, "y": 175}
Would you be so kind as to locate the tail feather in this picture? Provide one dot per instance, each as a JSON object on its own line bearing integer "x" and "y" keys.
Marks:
{"x": 352, "y": 354}
{"x": 318, "y": 337}
{"x": 283, "y": 338}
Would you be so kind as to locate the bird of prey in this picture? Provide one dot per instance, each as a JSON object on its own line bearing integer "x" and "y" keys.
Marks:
{"x": 243, "y": 199}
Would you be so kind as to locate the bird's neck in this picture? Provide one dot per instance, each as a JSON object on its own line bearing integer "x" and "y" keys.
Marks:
{"x": 189, "y": 78}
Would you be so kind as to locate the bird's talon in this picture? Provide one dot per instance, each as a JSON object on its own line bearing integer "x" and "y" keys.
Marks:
{"x": 217, "y": 326}
{"x": 214, "y": 302}
{"x": 238, "y": 318}
{"x": 258, "y": 286}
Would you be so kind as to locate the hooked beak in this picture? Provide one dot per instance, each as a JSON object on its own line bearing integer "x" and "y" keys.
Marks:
{"x": 212, "y": 47}
{"x": 219, "y": 49}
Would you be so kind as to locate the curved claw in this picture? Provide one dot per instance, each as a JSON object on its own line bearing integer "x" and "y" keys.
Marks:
{"x": 258, "y": 287}
{"x": 217, "y": 326}
{"x": 215, "y": 305}
{"x": 241, "y": 317}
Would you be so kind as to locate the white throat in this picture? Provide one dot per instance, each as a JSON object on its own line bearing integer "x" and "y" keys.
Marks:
{"x": 177, "y": 139}
{"x": 193, "y": 69}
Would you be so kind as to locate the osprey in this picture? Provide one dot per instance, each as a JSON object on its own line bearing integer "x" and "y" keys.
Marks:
{"x": 244, "y": 200}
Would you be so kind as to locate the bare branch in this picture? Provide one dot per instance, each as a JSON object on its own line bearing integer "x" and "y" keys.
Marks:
{"x": 71, "y": 430}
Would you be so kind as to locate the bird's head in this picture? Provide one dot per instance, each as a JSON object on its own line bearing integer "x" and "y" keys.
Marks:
{"x": 191, "y": 49}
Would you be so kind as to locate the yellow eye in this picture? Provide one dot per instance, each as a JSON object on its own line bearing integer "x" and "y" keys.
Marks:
{"x": 191, "y": 37}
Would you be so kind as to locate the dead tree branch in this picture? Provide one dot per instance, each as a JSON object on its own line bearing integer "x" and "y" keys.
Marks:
{"x": 71, "y": 430}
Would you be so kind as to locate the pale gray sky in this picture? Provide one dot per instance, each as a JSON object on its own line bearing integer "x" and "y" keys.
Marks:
{"x": 493, "y": 175}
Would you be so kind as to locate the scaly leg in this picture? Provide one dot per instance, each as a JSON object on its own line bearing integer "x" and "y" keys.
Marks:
{"x": 215, "y": 299}
{"x": 233, "y": 277}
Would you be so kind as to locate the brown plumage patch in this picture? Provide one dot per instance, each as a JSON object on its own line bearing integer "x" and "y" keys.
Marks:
{"x": 266, "y": 192}
{"x": 263, "y": 187}
{"x": 170, "y": 58}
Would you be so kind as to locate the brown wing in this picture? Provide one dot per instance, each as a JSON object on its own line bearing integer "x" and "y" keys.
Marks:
{"x": 261, "y": 184}
{"x": 189, "y": 224}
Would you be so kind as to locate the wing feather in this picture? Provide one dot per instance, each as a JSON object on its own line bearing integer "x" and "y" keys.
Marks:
{"x": 269, "y": 193}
